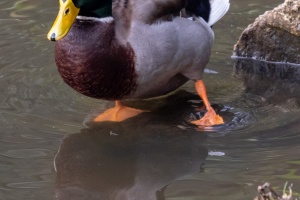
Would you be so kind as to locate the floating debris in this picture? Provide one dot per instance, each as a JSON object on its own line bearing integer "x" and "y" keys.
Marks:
{"x": 216, "y": 153}
{"x": 113, "y": 134}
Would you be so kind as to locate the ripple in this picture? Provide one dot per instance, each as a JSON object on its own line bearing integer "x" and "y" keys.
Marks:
{"x": 193, "y": 189}
{"x": 30, "y": 185}
{"x": 234, "y": 119}
{"x": 25, "y": 153}
{"x": 19, "y": 8}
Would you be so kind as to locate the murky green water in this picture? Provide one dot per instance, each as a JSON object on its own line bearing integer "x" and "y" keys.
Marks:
{"x": 156, "y": 155}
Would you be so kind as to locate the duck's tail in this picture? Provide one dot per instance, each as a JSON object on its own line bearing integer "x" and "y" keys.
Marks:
{"x": 210, "y": 10}
{"x": 218, "y": 9}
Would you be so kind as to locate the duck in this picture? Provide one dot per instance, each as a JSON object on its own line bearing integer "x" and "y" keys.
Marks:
{"x": 135, "y": 49}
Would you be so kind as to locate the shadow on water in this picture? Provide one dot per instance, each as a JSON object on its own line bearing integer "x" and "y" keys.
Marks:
{"x": 159, "y": 155}
{"x": 134, "y": 159}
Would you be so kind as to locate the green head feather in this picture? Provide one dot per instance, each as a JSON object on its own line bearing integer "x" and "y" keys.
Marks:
{"x": 94, "y": 8}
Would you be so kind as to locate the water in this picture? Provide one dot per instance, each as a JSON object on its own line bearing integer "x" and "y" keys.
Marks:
{"x": 47, "y": 152}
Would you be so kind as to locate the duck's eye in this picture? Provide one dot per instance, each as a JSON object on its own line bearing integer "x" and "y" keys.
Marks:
{"x": 67, "y": 11}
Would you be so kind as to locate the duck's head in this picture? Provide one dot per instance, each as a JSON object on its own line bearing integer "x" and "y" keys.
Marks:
{"x": 70, "y": 9}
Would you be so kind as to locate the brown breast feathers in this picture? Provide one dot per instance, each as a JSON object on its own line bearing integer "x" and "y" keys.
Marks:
{"x": 92, "y": 62}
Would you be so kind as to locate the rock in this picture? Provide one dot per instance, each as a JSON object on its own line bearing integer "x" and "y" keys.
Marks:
{"x": 274, "y": 36}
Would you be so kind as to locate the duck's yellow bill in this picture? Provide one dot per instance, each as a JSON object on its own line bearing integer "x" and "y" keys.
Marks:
{"x": 64, "y": 20}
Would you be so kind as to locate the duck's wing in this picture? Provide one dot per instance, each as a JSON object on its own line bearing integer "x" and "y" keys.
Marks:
{"x": 149, "y": 11}
{"x": 146, "y": 11}
{"x": 122, "y": 14}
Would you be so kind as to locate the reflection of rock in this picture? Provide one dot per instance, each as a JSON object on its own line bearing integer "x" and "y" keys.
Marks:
{"x": 133, "y": 159}
{"x": 276, "y": 83}
{"x": 274, "y": 36}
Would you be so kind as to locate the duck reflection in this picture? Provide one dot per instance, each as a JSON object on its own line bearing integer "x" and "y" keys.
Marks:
{"x": 276, "y": 82}
{"x": 134, "y": 159}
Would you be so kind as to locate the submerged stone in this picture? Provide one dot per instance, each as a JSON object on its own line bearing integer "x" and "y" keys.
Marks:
{"x": 274, "y": 36}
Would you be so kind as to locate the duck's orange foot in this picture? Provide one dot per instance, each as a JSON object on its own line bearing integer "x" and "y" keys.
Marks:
{"x": 118, "y": 113}
{"x": 209, "y": 119}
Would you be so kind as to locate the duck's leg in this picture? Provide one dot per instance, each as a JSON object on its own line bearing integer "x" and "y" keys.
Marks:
{"x": 210, "y": 118}
{"x": 118, "y": 113}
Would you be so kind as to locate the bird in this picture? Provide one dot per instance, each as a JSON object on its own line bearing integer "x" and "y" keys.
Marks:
{"x": 135, "y": 49}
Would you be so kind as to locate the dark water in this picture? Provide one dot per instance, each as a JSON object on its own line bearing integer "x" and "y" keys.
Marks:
{"x": 47, "y": 152}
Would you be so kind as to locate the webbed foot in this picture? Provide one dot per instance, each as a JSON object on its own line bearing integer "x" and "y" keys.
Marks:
{"x": 209, "y": 119}
{"x": 118, "y": 113}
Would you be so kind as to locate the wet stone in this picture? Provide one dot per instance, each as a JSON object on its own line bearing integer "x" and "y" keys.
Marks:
{"x": 274, "y": 36}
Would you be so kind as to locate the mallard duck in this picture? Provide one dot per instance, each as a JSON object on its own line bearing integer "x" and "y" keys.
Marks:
{"x": 135, "y": 49}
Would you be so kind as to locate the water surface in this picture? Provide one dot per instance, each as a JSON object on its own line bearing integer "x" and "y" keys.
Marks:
{"x": 47, "y": 152}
